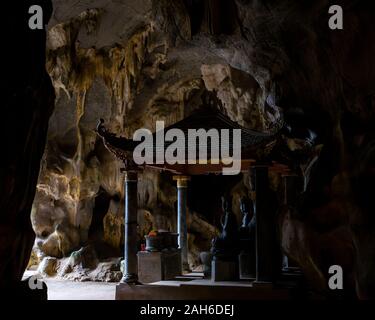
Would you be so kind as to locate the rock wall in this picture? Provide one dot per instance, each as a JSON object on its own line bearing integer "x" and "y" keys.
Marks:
{"x": 130, "y": 74}
{"x": 135, "y": 62}
{"x": 27, "y": 103}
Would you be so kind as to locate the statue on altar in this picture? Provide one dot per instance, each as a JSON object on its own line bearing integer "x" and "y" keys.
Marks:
{"x": 247, "y": 229}
{"x": 226, "y": 245}
{"x": 247, "y": 239}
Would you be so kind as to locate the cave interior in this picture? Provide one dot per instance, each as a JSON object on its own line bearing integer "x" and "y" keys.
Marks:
{"x": 270, "y": 67}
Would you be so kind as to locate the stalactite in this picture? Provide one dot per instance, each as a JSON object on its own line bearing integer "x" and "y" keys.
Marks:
{"x": 73, "y": 68}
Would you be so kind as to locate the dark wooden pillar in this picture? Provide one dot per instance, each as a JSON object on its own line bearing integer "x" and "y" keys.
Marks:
{"x": 182, "y": 185}
{"x": 131, "y": 237}
{"x": 291, "y": 187}
{"x": 265, "y": 227}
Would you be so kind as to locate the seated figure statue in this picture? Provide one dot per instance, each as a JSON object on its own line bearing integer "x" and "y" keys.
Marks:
{"x": 247, "y": 228}
{"x": 225, "y": 246}
{"x": 247, "y": 239}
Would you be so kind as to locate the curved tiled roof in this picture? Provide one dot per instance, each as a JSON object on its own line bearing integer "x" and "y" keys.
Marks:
{"x": 206, "y": 119}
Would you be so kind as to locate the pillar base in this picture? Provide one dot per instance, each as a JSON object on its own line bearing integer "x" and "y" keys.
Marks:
{"x": 130, "y": 279}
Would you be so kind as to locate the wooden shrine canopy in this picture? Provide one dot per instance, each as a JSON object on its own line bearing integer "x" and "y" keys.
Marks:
{"x": 255, "y": 146}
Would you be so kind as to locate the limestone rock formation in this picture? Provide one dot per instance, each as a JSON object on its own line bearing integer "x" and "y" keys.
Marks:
{"x": 130, "y": 75}
{"x": 135, "y": 62}
{"x": 261, "y": 61}
{"x": 48, "y": 267}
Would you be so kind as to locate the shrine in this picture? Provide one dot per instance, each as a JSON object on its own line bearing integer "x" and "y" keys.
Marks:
{"x": 256, "y": 158}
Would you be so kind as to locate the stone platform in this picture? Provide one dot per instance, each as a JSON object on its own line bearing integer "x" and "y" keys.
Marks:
{"x": 194, "y": 287}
